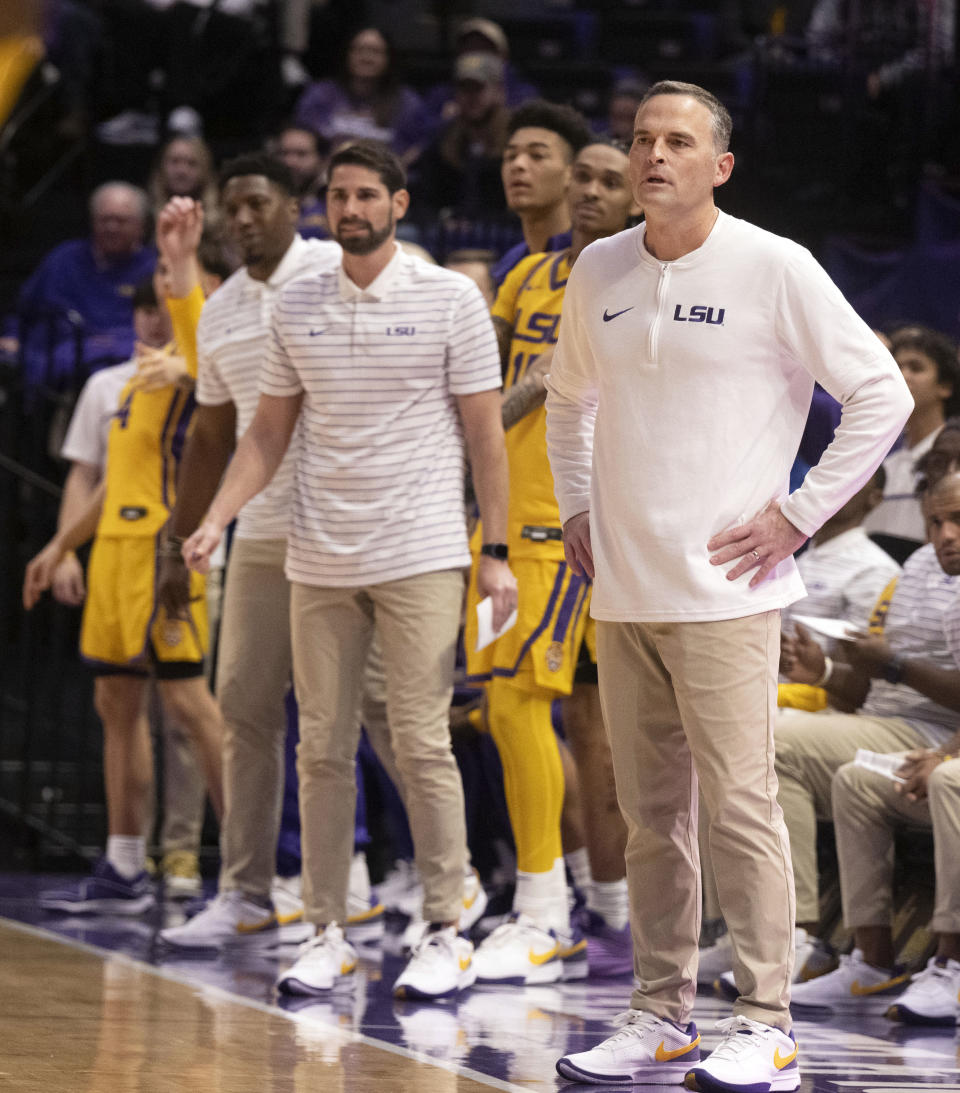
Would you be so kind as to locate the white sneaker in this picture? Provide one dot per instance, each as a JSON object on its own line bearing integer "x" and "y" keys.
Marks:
{"x": 647, "y": 1050}
{"x": 853, "y": 985}
{"x": 933, "y": 997}
{"x": 715, "y": 959}
{"x": 285, "y": 892}
{"x": 321, "y": 962}
{"x": 716, "y": 962}
{"x": 811, "y": 956}
{"x": 474, "y": 904}
{"x": 401, "y": 890}
{"x": 441, "y": 965}
{"x": 230, "y": 919}
{"x": 365, "y": 913}
{"x": 750, "y": 1057}
{"x": 521, "y": 952}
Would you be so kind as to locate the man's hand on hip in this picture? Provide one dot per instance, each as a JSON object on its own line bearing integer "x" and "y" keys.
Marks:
{"x": 577, "y": 546}
{"x": 761, "y": 543}
{"x": 496, "y": 580}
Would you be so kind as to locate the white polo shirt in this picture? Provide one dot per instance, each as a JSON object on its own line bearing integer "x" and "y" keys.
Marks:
{"x": 379, "y": 476}
{"x": 844, "y": 578}
{"x": 899, "y": 512}
{"x": 231, "y": 345}
{"x": 923, "y": 623}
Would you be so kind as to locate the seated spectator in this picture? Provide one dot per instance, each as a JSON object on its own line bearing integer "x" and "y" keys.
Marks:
{"x": 85, "y": 287}
{"x": 184, "y": 168}
{"x": 366, "y": 100}
{"x": 440, "y": 103}
{"x": 903, "y": 682}
{"x": 475, "y": 264}
{"x": 868, "y": 807}
{"x": 622, "y": 109}
{"x": 542, "y": 139}
{"x": 458, "y": 175}
{"x": 299, "y": 148}
{"x": 928, "y": 361}
{"x": 868, "y": 810}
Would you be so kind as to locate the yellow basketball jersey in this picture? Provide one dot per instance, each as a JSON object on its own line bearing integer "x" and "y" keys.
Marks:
{"x": 530, "y": 300}
{"x": 147, "y": 435}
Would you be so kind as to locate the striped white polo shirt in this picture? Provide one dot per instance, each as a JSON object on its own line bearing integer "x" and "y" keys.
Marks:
{"x": 232, "y": 344}
{"x": 379, "y": 479}
{"x": 844, "y": 577}
{"x": 923, "y": 623}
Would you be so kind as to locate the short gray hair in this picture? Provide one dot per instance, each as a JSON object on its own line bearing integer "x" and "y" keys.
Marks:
{"x": 135, "y": 193}
{"x": 722, "y": 122}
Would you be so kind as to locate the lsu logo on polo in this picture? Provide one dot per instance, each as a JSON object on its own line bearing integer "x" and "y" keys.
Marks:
{"x": 699, "y": 313}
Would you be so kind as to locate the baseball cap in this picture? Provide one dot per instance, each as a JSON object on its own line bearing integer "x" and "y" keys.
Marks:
{"x": 488, "y": 29}
{"x": 482, "y": 68}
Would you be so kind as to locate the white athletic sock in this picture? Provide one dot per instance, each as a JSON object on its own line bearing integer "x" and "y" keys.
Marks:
{"x": 359, "y": 884}
{"x": 578, "y": 862}
{"x": 127, "y": 854}
{"x": 611, "y": 902}
{"x": 543, "y": 896}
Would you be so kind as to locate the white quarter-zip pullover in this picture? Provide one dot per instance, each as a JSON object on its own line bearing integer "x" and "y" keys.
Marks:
{"x": 676, "y": 400}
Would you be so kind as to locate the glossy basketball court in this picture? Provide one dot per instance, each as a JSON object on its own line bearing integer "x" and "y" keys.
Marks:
{"x": 91, "y": 1004}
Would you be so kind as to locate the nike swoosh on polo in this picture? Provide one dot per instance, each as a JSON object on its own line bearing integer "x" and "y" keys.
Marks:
{"x": 859, "y": 991}
{"x": 664, "y": 1056}
{"x": 780, "y": 1061}
{"x": 542, "y": 958}
{"x": 314, "y": 333}
{"x": 607, "y": 316}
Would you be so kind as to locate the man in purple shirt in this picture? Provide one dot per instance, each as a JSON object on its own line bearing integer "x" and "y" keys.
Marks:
{"x": 75, "y": 311}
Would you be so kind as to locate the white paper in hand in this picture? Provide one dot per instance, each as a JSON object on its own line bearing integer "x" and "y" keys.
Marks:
{"x": 831, "y": 628}
{"x": 485, "y": 630}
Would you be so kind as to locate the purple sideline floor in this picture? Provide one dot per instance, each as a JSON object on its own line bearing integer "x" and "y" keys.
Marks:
{"x": 504, "y": 1038}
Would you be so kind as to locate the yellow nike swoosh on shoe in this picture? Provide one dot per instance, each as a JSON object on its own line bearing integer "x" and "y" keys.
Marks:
{"x": 346, "y": 967}
{"x": 286, "y": 920}
{"x": 542, "y": 958}
{"x": 364, "y": 916}
{"x": 464, "y": 964}
{"x": 859, "y": 991}
{"x": 780, "y": 1061}
{"x": 254, "y": 927}
{"x": 664, "y": 1056}
{"x": 468, "y": 903}
{"x": 577, "y": 947}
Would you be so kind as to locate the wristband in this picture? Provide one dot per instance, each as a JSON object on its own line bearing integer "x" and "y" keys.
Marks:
{"x": 825, "y": 674}
{"x": 495, "y": 550}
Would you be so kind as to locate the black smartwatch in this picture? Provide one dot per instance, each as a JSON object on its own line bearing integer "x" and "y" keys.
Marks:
{"x": 495, "y": 550}
{"x": 892, "y": 671}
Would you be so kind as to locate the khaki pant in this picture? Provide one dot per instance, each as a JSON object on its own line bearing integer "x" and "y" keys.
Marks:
{"x": 253, "y": 674}
{"x": 678, "y": 699}
{"x": 867, "y": 811}
{"x": 332, "y": 628}
{"x": 811, "y": 748}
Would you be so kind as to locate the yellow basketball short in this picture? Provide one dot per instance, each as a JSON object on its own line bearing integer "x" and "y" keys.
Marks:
{"x": 553, "y": 611}
{"x": 124, "y": 627}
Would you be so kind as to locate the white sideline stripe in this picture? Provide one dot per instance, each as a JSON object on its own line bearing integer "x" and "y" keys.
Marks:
{"x": 263, "y": 1007}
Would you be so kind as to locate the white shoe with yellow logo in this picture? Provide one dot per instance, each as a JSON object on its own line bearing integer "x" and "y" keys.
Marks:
{"x": 230, "y": 919}
{"x": 647, "y": 1049}
{"x": 854, "y": 985}
{"x": 440, "y": 965}
{"x": 751, "y": 1058}
{"x": 519, "y": 952}
{"x": 322, "y": 962}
